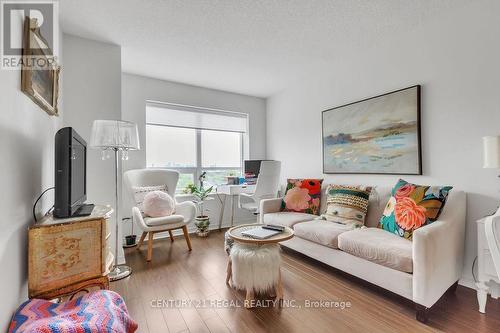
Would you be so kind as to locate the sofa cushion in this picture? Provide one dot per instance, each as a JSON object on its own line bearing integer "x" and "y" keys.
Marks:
{"x": 378, "y": 199}
{"x": 164, "y": 220}
{"x": 321, "y": 232}
{"x": 287, "y": 219}
{"x": 378, "y": 246}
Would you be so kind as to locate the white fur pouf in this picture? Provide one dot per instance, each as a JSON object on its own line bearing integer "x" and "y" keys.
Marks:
{"x": 255, "y": 267}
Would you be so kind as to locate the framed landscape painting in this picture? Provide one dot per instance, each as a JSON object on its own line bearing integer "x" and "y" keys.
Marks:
{"x": 378, "y": 135}
{"x": 40, "y": 71}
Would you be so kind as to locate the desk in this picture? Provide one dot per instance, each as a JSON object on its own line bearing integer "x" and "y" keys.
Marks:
{"x": 232, "y": 191}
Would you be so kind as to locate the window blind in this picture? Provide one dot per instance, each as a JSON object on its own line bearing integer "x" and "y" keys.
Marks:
{"x": 165, "y": 114}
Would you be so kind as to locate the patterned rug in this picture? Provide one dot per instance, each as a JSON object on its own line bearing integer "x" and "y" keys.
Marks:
{"x": 100, "y": 311}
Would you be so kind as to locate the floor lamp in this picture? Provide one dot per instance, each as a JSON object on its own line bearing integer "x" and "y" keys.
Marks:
{"x": 116, "y": 136}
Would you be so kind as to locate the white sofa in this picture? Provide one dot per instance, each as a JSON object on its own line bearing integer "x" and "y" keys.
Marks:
{"x": 421, "y": 270}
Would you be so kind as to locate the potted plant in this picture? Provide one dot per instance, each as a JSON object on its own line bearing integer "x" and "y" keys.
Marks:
{"x": 202, "y": 220}
{"x": 232, "y": 179}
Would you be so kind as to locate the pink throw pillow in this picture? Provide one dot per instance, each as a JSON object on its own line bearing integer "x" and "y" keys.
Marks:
{"x": 158, "y": 204}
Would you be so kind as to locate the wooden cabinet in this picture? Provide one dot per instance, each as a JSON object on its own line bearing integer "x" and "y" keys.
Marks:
{"x": 69, "y": 255}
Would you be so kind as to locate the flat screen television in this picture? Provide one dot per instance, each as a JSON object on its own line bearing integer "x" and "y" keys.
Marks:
{"x": 70, "y": 174}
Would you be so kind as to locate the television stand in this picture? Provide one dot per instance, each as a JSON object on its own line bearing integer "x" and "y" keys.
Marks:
{"x": 69, "y": 255}
{"x": 84, "y": 210}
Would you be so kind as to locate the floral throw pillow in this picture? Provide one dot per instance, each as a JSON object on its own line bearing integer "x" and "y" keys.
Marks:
{"x": 302, "y": 196}
{"x": 412, "y": 206}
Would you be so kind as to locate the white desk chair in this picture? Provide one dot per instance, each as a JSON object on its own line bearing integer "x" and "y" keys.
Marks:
{"x": 185, "y": 212}
{"x": 492, "y": 224}
{"x": 266, "y": 187}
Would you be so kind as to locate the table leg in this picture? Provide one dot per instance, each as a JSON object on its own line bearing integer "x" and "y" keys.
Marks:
{"x": 249, "y": 299}
{"x": 279, "y": 289}
{"x": 229, "y": 271}
{"x": 223, "y": 206}
{"x": 482, "y": 296}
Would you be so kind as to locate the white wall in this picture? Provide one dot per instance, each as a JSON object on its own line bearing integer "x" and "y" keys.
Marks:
{"x": 93, "y": 91}
{"x": 136, "y": 90}
{"x": 27, "y": 168}
{"x": 455, "y": 59}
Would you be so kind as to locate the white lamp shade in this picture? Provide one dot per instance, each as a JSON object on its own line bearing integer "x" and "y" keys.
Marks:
{"x": 491, "y": 152}
{"x": 119, "y": 134}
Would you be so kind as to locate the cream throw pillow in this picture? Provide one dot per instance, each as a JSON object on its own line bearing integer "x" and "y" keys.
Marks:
{"x": 140, "y": 193}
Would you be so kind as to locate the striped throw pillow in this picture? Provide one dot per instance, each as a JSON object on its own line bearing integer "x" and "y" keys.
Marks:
{"x": 141, "y": 191}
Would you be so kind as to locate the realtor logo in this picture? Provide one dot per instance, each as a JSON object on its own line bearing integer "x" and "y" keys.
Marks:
{"x": 13, "y": 15}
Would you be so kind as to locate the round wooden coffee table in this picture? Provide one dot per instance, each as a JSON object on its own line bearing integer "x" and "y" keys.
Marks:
{"x": 235, "y": 234}
{"x": 252, "y": 244}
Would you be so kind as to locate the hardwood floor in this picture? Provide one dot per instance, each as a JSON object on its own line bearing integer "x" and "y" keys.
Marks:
{"x": 177, "y": 274}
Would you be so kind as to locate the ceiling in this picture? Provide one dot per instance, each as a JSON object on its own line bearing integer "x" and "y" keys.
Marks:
{"x": 253, "y": 47}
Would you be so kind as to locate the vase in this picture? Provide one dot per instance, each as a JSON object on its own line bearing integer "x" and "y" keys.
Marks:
{"x": 130, "y": 240}
{"x": 202, "y": 223}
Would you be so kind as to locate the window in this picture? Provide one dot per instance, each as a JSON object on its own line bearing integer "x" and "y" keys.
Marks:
{"x": 195, "y": 140}
{"x": 170, "y": 147}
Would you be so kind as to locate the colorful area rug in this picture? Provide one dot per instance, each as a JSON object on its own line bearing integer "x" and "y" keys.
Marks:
{"x": 99, "y": 311}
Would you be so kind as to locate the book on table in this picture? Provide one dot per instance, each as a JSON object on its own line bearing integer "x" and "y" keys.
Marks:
{"x": 260, "y": 233}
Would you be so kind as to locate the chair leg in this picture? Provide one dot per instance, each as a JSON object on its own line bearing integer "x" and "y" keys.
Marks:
{"x": 171, "y": 236}
{"x": 186, "y": 235}
{"x": 141, "y": 240}
{"x": 150, "y": 246}
{"x": 229, "y": 272}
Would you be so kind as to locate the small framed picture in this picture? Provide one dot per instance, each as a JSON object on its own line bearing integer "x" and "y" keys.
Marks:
{"x": 40, "y": 71}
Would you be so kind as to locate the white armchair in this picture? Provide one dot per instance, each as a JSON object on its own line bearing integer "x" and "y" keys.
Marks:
{"x": 185, "y": 212}
{"x": 266, "y": 187}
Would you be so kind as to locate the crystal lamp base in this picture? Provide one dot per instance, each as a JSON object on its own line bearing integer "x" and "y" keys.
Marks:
{"x": 119, "y": 272}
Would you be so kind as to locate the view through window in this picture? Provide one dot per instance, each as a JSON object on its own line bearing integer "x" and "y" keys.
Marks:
{"x": 191, "y": 150}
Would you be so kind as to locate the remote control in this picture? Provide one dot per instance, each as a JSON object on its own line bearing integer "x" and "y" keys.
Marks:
{"x": 273, "y": 227}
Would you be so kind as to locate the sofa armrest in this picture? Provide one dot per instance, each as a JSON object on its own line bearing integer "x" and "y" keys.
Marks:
{"x": 438, "y": 251}
{"x": 269, "y": 206}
